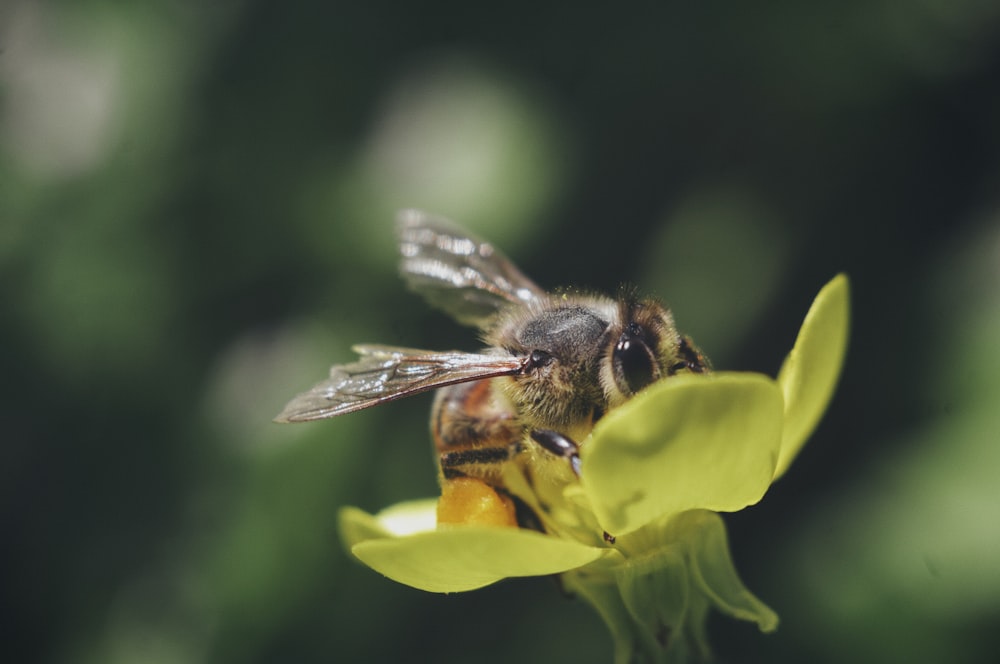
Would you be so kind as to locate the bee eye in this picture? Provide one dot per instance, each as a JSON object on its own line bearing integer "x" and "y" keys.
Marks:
{"x": 633, "y": 361}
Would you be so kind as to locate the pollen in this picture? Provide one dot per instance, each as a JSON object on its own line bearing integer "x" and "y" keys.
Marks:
{"x": 469, "y": 501}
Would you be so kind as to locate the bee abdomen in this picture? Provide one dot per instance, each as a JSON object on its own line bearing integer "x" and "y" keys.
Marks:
{"x": 472, "y": 415}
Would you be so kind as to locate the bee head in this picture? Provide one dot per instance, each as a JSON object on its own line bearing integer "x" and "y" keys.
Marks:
{"x": 584, "y": 355}
{"x": 643, "y": 348}
{"x": 562, "y": 344}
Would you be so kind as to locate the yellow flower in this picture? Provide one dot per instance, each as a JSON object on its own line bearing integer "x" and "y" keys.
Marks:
{"x": 654, "y": 474}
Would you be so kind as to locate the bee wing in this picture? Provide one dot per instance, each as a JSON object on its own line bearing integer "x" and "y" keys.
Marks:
{"x": 456, "y": 271}
{"x": 386, "y": 373}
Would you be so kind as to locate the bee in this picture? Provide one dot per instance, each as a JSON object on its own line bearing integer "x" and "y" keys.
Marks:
{"x": 553, "y": 365}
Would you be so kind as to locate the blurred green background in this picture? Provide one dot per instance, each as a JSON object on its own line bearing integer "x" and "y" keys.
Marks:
{"x": 196, "y": 205}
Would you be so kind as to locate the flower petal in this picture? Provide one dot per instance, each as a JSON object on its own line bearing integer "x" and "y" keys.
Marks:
{"x": 687, "y": 442}
{"x": 713, "y": 571}
{"x": 601, "y": 592}
{"x": 810, "y": 372}
{"x": 459, "y": 558}
{"x": 655, "y": 590}
{"x": 406, "y": 518}
{"x": 669, "y": 575}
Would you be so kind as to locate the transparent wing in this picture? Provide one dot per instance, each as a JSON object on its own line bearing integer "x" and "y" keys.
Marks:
{"x": 386, "y": 373}
{"x": 457, "y": 272}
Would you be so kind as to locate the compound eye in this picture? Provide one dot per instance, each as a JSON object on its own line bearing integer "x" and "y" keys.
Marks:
{"x": 633, "y": 361}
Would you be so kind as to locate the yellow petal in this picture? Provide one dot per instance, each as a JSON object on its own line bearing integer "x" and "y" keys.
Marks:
{"x": 810, "y": 372}
{"x": 713, "y": 571}
{"x": 687, "y": 442}
{"x": 458, "y": 558}
{"x": 406, "y": 518}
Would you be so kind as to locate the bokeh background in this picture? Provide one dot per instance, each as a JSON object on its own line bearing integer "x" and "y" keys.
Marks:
{"x": 196, "y": 206}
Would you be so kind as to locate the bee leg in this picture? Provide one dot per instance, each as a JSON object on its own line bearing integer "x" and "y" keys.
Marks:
{"x": 563, "y": 446}
{"x": 471, "y": 501}
{"x": 468, "y": 492}
{"x": 560, "y": 445}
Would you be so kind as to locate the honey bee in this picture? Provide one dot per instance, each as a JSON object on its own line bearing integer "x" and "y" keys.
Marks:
{"x": 554, "y": 364}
